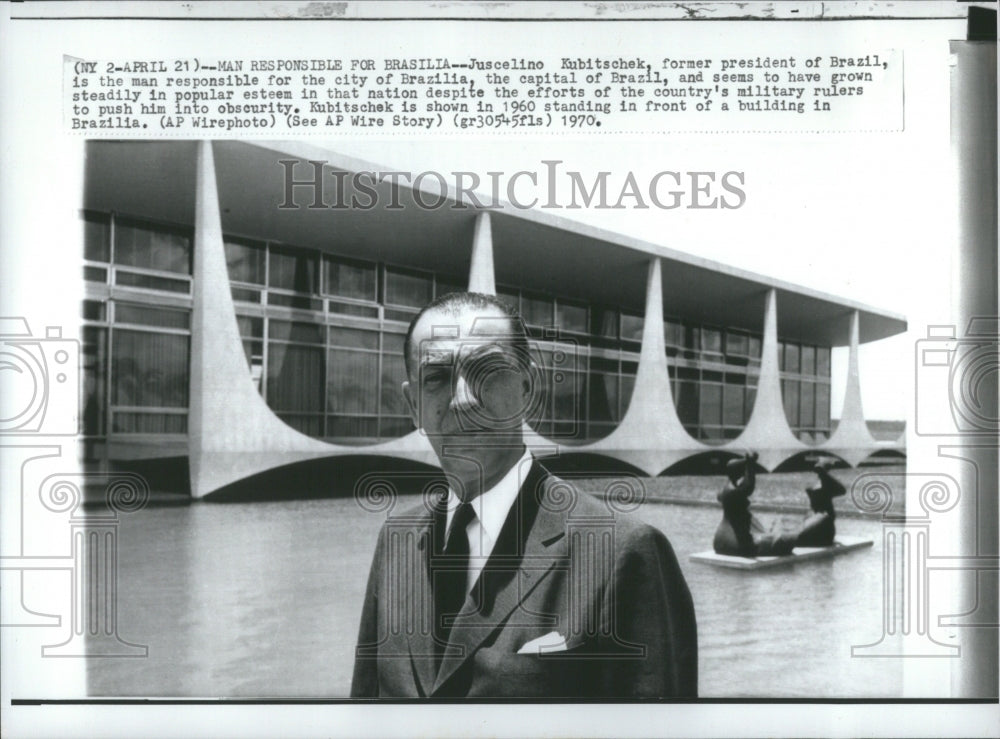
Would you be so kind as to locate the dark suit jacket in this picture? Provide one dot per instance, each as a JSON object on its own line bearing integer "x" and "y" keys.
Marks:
{"x": 564, "y": 562}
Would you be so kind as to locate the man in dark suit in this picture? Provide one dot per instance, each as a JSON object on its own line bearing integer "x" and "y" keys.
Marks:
{"x": 513, "y": 583}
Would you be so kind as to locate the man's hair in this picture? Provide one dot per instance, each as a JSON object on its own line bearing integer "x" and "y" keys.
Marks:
{"x": 454, "y": 303}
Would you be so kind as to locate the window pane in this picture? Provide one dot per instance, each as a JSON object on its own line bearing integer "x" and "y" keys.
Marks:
{"x": 711, "y": 340}
{"x": 808, "y": 360}
{"x": 710, "y": 404}
{"x": 250, "y": 326}
{"x": 822, "y": 405}
{"x": 603, "y": 387}
{"x": 245, "y": 262}
{"x": 806, "y": 417}
{"x": 94, "y": 365}
{"x": 736, "y": 344}
{"x": 150, "y": 423}
{"x": 147, "y": 316}
{"x": 245, "y": 295}
{"x": 403, "y": 316}
{"x": 732, "y": 408}
{"x": 536, "y": 311}
{"x": 292, "y": 269}
{"x": 295, "y": 301}
{"x": 350, "y": 279}
{"x": 392, "y": 343}
{"x": 151, "y": 247}
{"x": 254, "y": 353}
{"x": 673, "y": 333}
{"x": 94, "y": 310}
{"x": 686, "y": 400}
{"x": 790, "y": 395}
{"x": 629, "y": 370}
{"x": 407, "y": 288}
{"x": 353, "y": 337}
{"x": 692, "y": 339}
{"x": 569, "y": 399}
{"x": 688, "y": 373}
{"x": 149, "y": 369}
{"x": 351, "y": 427}
{"x": 131, "y": 279}
{"x": 95, "y": 274}
{"x": 603, "y": 364}
{"x": 631, "y": 327}
{"x": 604, "y": 322}
{"x": 687, "y": 405}
{"x": 294, "y": 377}
{"x": 393, "y": 375}
{"x": 353, "y": 378}
{"x": 791, "y": 357}
{"x": 823, "y": 361}
{"x": 755, "y": 347}
{"x": 309, "y": 333}
{"x": 571, "y": 317}
{"x": 96, "y": 237}
{"x": 350, "y": 309}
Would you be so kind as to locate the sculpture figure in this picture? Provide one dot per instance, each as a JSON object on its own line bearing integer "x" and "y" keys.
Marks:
{"x": 818, "y": 526}
{"x": 740, "y": 534}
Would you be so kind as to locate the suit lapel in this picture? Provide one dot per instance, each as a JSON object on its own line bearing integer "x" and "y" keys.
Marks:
{"x": 530, "y": 543}
{"x": 418, "y": 603}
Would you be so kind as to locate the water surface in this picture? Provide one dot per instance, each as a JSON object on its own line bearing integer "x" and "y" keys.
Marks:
{"x": 263, "y": 599}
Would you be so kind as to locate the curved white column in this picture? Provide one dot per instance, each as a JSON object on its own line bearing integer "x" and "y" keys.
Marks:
{"x": 852, "y": 440}
{"x": 767, "y": 432}
{"x": 232, "y": 433}
{"x": 481, "y": 278}
{"x": 651, "y": 435}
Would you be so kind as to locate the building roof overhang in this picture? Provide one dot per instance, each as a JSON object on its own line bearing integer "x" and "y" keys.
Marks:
{"x": 533, "y": 249}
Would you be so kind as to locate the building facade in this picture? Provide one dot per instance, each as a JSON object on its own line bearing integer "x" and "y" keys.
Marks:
{"x": 319, "y": 301}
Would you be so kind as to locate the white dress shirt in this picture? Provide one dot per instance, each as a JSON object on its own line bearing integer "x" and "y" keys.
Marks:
{"x": 491, "y": 509}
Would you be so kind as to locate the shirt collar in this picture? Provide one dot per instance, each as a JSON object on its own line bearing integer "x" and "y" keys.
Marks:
{"x": 492, "y": 506}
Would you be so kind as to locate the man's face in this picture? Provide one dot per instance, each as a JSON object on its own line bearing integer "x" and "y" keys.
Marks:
{"x": 467, "y": 388}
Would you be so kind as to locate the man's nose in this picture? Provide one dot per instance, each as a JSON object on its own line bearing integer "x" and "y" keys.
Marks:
{"x": 462, "y": 397}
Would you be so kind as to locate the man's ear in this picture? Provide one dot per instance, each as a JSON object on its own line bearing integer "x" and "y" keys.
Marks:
{"x": 411, "y": 403}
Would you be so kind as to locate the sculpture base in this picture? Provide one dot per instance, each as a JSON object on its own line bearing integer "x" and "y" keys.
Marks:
{"x": 842, "y": 545}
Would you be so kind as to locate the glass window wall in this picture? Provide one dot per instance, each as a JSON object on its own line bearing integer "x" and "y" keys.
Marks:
{"x": 337, "y": 374}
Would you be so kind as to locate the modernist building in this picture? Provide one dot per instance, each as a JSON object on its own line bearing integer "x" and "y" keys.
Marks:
{"x": 243, "y": 336}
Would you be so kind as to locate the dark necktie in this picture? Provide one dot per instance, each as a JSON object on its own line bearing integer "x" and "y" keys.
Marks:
{"x": 451, "y": 576}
